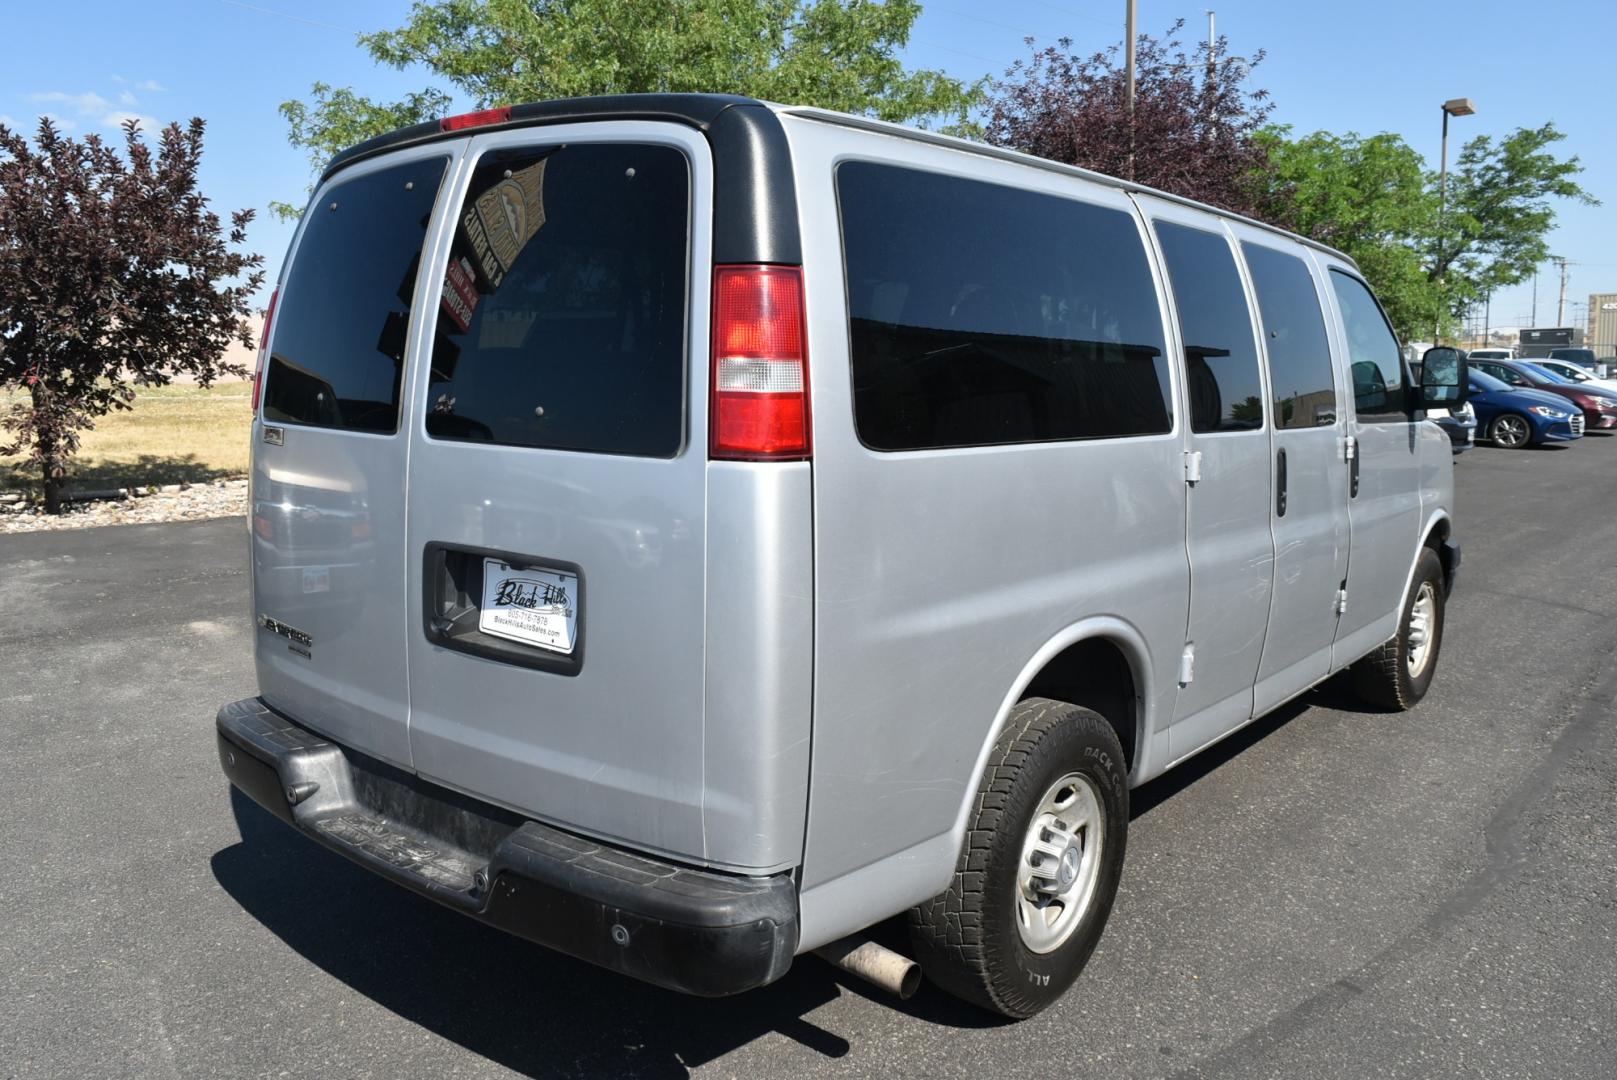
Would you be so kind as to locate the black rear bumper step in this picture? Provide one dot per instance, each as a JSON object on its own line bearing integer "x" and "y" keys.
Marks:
{"x": 696, "y": 931}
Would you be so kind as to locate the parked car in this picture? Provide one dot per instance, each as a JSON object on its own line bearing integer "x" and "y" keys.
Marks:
{"x": 1513, "y": 417}
{"x": 1492, "y": 354}
{"x": 1598, "y": 407}
{"x": 780, "y": 520}
{"x": 1577, "y": 374}
{"x": 1584, "y": 357}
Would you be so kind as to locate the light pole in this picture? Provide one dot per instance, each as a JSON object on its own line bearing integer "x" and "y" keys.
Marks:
{"x": 1453, "y": 107}
{"x": 1129, "y": 52}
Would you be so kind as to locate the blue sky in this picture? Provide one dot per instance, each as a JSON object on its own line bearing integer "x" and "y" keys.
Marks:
{"x": 1371, "y": 66}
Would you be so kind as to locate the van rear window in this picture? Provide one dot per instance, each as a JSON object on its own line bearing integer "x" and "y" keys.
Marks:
{"x": 562, "y": 318}
{"x": 982, "y": 314}
{"x": 337, "y": 350}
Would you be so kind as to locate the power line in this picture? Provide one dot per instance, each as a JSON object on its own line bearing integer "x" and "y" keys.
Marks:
{"x": 287, "y": 15}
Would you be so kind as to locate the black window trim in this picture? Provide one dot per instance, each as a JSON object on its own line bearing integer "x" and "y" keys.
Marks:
{"x": 442, "y": 232}
{"x": 1401, "y": 416}
{"x": 451, "y": 158}
{"x": 1147, "y": 243}
{"x": 1253, "y": 320}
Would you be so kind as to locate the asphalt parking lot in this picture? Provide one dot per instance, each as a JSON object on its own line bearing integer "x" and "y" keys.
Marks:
{"x": 1333, "y": 892}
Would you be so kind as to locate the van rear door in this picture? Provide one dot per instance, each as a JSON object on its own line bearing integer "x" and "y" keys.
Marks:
{"x": 329, "y": 449}
{"x": 557, "y": 482}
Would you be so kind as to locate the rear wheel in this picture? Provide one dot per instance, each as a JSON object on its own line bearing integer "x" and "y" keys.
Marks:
{"x": 1040, "y": 866}
{"x": 1510, "y": 431}
{"x": 1398, "y": 674}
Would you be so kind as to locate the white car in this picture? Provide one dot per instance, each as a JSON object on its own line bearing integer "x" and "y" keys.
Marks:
{"x": 1574, "y": 373}
{"x": 1492, "y": 354}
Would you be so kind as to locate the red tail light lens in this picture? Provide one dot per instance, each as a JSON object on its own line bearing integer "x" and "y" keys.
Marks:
{"x": 760, "y": 372}
{"x": 480, "y": 118}
{"x": 263, "y": 350}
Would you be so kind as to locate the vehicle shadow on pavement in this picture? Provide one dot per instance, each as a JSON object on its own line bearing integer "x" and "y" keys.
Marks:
{"x": 1334, "y": 693}
{"x": 527, "y": 1008}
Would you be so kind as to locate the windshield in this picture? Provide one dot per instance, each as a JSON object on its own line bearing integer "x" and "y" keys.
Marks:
{"x": 1482, "y": 383}
{"x": 1570, "y": 372}
{"x": 1546, "y": 373}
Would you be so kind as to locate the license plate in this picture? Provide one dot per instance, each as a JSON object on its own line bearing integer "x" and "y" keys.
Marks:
{"x": 535, "y": 607}
{"x": 316, "y": 579}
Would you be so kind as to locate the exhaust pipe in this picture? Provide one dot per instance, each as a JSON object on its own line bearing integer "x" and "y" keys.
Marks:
{"x": 876, "y": 964}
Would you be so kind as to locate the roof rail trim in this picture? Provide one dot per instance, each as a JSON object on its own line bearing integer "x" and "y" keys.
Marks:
{"x": 696, "y": 110}
{"x": 883, "y": 127}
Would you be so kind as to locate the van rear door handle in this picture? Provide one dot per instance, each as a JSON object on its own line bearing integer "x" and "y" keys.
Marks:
{"x": 1280, "y": 483}
{"x": 1352, "y": 466}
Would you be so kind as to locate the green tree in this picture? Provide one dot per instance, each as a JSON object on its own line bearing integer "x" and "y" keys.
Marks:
{"x": 1375, "y": 199}
{"x": 837, "y": 54}
{"x": 1370, "y": 198}
{"x": 1501, "y": 211}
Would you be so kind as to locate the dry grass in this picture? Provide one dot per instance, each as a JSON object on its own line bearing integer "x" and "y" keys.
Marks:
{"x": 173, "y": 435}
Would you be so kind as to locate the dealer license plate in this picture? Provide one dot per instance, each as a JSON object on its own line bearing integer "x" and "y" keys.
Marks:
{"x": 535, "y": 607}
{"x": 316, "y": 579}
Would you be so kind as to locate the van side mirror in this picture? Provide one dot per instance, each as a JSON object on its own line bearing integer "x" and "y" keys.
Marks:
{"x": 1443, "y": 378}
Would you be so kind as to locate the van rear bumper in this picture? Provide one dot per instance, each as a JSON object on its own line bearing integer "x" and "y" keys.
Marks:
{"x": 690, "y": 930}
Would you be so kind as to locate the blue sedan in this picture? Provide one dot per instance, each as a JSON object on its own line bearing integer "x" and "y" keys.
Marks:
{"x": 1514, "y": 417}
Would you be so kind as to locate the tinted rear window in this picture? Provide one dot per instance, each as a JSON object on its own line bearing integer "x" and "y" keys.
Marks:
{"x": 562, "y": 319}
{"x": 982, "y": 314}
{"x": 339, "y": 329}
{"x": 1294, "y": 331}
{"x": 1221, "y": 354}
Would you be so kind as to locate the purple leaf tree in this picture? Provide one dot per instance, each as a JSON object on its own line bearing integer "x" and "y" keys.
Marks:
{"x": 114, "y": 274}
{"x": 1191, "y": 131}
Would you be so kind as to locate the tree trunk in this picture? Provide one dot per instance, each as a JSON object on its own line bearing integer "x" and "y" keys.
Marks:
{"x": 52, "y": 472}
{"x": 53, "y": 479}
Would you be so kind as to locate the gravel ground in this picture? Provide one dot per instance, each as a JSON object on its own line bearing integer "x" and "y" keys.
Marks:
{"x": 172, "y": 502}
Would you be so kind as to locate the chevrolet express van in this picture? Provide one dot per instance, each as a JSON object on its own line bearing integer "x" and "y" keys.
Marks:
{"x": 688, "y": 531}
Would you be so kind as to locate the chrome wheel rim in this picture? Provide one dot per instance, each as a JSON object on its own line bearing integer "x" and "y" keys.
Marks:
{"x": 1060, "y": 865}
{"x": 1422, "y": 625}
{"x": 1510, "y": 431}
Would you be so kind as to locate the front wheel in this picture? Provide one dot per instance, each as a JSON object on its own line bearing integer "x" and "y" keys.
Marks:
{"x": 1040, "y": 866}
{"x": 1510, "y": 431}
{"x": 1398, "y": 674}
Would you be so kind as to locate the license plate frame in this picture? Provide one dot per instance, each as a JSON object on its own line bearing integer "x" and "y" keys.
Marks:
{"x": 316, "y": 579}
{"x": 535, "y": 606}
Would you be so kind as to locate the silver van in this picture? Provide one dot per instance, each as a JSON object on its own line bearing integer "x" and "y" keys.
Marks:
{"x": 688, "y": 531}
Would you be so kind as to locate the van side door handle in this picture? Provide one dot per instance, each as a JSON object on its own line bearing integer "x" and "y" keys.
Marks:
{"x": 1280, "y": 483}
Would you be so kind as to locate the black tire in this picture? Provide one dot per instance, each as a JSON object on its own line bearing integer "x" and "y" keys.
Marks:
{"x": 1505, "y": 424}
{"x": 967, "y": 939}
{"x": 1383, "y": 678}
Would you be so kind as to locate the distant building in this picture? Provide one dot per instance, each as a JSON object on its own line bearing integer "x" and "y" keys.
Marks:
{"x": 1603, "y": 323}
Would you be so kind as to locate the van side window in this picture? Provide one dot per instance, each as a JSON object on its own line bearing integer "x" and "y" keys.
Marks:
{"x": 1373, "y": 353}
{"x": 337, "y": 350}
{"x": 1221, "y": 357}
{"x": 982, "y": 314}
{"x": 562, "y": 319}
{"x": 1294, "y": 331}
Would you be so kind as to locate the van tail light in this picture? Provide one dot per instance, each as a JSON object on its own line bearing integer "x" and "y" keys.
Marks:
{"x": 263, "y": 349}
{"x": 760, "y": 409}
{"x": 480, "y": 118}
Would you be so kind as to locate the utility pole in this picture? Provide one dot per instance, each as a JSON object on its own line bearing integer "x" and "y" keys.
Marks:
{"x": 1212, "y": 45}
{"x": 1560, "y": 307}
{"x": 1535, "y": 297}
{"x": 1132, "y": 4}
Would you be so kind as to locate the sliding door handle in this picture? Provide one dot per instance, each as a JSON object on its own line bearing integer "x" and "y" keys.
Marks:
{"x": 1280, "y": 483}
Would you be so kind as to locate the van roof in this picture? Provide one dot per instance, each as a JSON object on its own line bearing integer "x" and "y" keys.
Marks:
{"x": 702, "y": 110}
